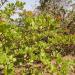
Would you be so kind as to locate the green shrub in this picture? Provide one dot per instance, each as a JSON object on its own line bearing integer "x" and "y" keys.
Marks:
{"x": 36, "y": 47}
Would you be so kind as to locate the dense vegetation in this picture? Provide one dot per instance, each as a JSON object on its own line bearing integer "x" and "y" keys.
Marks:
{"x": 34, "y": 44}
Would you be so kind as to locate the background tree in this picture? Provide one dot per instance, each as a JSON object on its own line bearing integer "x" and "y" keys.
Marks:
{"x": 59, "y": 10}
{"x": 2, "y": 2}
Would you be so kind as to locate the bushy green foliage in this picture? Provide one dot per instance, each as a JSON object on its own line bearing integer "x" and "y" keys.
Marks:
{"x": 36, "y": 47}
